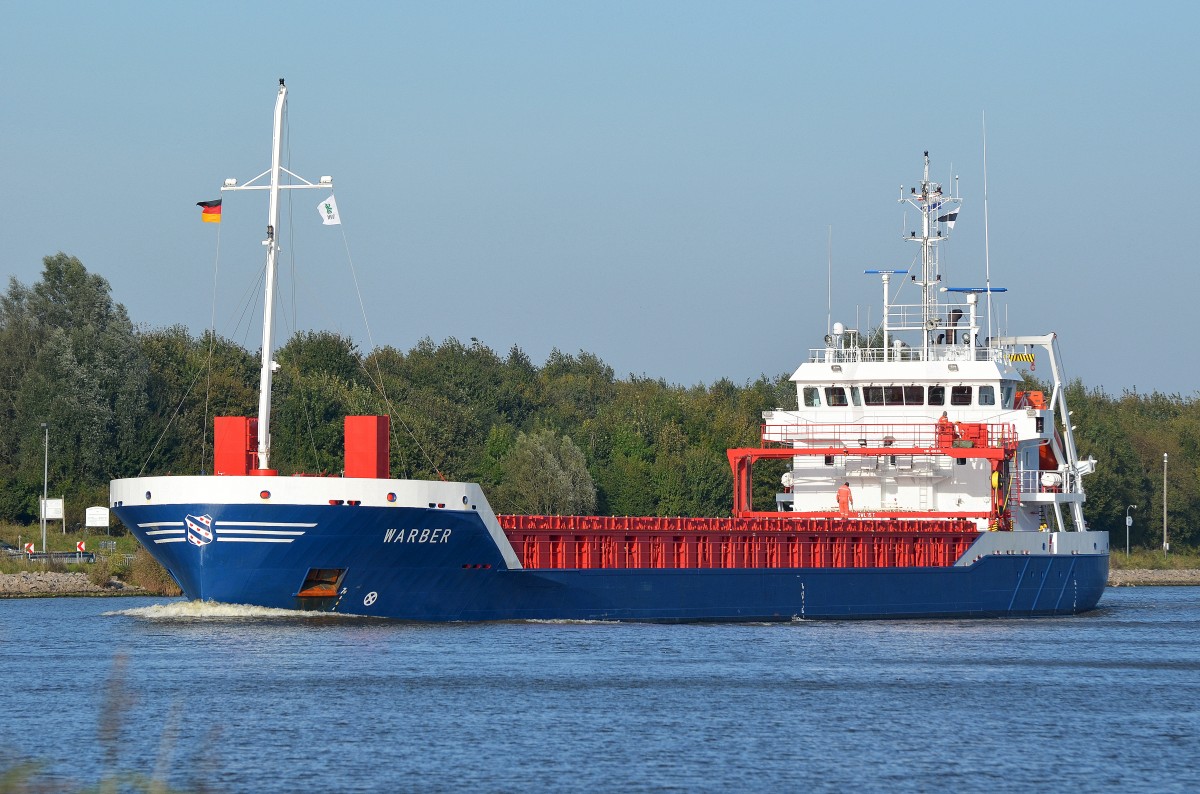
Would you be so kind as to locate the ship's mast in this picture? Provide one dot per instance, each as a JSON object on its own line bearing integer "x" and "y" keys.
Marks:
{"x": 936, "y": 209}
{"x": 272, "y": 243}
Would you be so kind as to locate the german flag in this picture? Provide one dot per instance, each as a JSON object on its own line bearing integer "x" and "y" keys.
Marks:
{"x": 210, "y": 211}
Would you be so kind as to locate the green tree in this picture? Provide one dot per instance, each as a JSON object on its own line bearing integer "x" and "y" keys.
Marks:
{"x": 78, "y": 368}
{"x": 545, "y": 474}
{"x": 190, "y": 381}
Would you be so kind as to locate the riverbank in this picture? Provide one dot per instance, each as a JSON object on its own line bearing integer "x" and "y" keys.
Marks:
{"x": 41, "y": 584}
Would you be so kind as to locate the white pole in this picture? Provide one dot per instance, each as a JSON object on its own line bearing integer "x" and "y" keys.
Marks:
{"x": 1166, "y": 546}
{"x": 46, "y": 479}
{"x": 1128, "y": 524}
{"x": 886, "y": 280}
{"x": 264, "y": 382}
{"x": 987, "y": 262}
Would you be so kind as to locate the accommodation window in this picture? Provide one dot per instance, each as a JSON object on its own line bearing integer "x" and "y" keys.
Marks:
{"x": 812, "y": 397}
{"x": 873, "y": 395}
{"x": 835, "y": 396}
{"x": 855, "y": 395}
{"x": 987, "y": 395}
{"x": 1006, "y": 395}
{"x": 960, "y": 395}
{"x": 893, "y": 395}
{"x": 914, "y": 395}
{"x": 937, "y": 395}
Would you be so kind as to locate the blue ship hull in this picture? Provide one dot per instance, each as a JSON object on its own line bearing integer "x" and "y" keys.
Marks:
{"x": 444, "y": 565}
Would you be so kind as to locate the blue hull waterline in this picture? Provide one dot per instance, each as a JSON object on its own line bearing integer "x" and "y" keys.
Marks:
{"x": 430, "y": 564}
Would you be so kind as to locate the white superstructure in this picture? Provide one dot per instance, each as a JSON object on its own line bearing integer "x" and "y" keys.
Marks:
{"x": 870, "y": 405}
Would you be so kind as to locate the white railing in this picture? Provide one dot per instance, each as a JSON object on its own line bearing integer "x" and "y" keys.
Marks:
{"x": 833, "y": 355}
{"x": 853, "y": 436}
{"x": 1048, "y": 481}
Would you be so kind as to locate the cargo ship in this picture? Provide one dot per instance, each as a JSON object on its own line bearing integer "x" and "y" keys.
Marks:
{"x": 922, "y": 481}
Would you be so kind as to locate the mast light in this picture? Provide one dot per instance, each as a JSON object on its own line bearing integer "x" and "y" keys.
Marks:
{"x": 326, "y": 180}
{"x": 230, "y": 183}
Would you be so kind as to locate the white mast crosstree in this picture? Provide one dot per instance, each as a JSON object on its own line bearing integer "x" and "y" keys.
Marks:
{"x": 272, "y": 244}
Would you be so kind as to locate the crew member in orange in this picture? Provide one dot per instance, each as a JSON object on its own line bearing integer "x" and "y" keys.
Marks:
{"x": 845, "y": 500}
{"x": 945, "y": 431}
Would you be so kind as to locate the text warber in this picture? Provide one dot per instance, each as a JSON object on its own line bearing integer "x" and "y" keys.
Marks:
{"x": 416, "y": 535}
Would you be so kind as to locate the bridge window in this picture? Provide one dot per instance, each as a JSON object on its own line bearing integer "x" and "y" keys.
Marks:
{"x": 893, "y": 395}
{"x": 937, "y": 395}
{"x": 1006, "y": 395}
{"x": 960, "y": 395}
{"x": 812, "y": 397}
{"x": 835, "y": 396}
{"x": 855, "y": 396}
{"x": 987, "y": 395}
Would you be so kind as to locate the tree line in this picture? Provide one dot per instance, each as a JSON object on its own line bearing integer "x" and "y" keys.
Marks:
{"x": 563, "y": 437}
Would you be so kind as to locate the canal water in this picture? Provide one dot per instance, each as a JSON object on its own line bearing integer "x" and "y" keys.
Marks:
{"x": 237, "y": 699}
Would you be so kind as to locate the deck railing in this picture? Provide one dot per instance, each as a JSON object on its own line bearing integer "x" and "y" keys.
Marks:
{"x": 943, "y": 352}
{"x": 927, "y": 435}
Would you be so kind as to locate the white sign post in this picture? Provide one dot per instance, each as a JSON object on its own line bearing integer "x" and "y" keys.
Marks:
{"x": 52, "y": 510}
{"x": 96, "y": 517}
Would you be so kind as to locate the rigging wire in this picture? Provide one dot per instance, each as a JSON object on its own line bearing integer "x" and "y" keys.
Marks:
{"x": 212, "y": 341}
{"x": 377, "y": 380}
{"x": 291, "y": 207}
{"x": 205, "y": 369}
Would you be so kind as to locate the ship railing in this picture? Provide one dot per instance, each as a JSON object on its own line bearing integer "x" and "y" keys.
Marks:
{"x": 1043, "y": 481}
{"x": 923, "y": 435}
{"x": 937, "y": 352}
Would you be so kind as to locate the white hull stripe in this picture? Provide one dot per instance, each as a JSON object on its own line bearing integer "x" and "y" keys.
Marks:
{"x": 165, "y": 532}
{"x": 169, "y": 540}
{"x": 264, "y": 524}
{"x": 228, "y": 532}
{"x": 161, "y": 524}
{"x": 227, "y": 539}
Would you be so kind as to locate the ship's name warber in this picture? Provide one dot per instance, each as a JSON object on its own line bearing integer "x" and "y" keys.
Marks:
{"x": 416, "y": 536}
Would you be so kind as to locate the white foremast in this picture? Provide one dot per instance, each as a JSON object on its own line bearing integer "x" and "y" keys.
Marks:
{"x": 272, "y": 244}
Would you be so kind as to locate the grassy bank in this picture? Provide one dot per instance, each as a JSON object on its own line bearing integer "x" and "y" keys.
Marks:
{"x": 18, "y": 535}
{"x": 1154, "y": 560}
{"x": 127, "y": 562}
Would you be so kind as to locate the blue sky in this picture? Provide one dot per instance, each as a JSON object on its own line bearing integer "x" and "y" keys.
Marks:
{"x": 652, "y": 182}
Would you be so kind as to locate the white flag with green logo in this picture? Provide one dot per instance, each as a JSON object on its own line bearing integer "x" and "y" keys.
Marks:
{"x": 329, "y": 213}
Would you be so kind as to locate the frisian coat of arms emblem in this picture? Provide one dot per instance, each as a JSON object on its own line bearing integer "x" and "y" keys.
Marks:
{"x": 199, "y": 529}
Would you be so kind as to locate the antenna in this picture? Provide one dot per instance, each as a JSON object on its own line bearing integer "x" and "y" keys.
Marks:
{"x": 829, "y": 283}
{"x": 987, "y": 264}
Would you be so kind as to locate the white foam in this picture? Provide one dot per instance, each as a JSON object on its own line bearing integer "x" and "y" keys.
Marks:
{"x": 212, "y": 610}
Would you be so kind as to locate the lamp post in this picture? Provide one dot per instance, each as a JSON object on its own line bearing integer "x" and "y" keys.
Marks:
{"x": 1166, "y": 546}
{"x": 1128, "y": 524}
{"x": 45, "y": 478}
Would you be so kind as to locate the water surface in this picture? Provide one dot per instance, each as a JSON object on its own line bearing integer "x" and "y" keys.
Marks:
{"x": 238, "y": 699}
